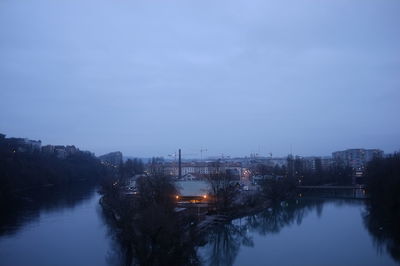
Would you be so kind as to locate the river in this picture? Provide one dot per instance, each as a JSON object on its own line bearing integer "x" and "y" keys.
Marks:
{"x": 68, "y": 228}
{"x": 56, "y": 228}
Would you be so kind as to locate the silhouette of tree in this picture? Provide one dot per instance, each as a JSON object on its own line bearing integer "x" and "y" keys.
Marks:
{"x": 149, "y": 229}
{"x": 382, "y": 217}
{"x": 223, "y": 187}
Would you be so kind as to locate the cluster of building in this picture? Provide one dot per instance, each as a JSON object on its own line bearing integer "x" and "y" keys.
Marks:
{"x": 25, "y": 145}
{"x": 21, "y": 144}
{"x": 239, "y": 168}
{"x": 204, "y": 168}
{"x": 60, "y": 151}
{"x": 357, "y": 159}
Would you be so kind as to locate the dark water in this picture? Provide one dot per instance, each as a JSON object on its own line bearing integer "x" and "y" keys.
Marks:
{"x": 68, "y": 228}
{"x": 56, "y": 228}
{"x": 299, "y": 232}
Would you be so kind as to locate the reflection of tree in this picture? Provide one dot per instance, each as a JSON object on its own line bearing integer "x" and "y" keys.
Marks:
{"x": 383, "y": 224}
{"x": 27, "y": 206}
{"x": 282, "y": 215}
{"x": 156, "y": 236}
{"x": 382, "y": 217}
{"x": 224, "y": 243}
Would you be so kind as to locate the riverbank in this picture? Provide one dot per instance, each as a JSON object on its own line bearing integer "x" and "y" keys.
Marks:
{"x": 211, "y": 220}
{"x": 204, "y": 222}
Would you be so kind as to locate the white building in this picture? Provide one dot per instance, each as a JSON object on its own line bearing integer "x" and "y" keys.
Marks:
{"x": 356, "y": 158}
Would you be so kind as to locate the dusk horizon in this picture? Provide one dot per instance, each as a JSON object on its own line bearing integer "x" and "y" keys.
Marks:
{"x": 237, "y": 79}
{"x": 192, "y": 153}
{"x": 199, "y": 133}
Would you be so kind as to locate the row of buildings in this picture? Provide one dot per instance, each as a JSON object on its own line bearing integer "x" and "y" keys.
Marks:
{"x": 21, "y": 144}
{"x": 60, "y": 151}
{"x": 203, "y": 168}
{"x": 357, "y": 159}
{"x": 25, "y": 145}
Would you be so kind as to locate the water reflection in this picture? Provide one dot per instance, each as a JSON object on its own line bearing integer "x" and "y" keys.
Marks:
{"x": 383, "y": 223}
{"x": 26, "y": 207}
{"x": 163, "y": 240}
{"x": 224, "y": 242}
{"x": 273, "y": 220}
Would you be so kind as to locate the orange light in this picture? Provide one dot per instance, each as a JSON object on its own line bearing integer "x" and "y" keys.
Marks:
{"x": 177, "y": 197}
{"x": 205, "y": 196}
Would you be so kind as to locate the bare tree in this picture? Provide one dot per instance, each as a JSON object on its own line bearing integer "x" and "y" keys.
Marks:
{"x": 149, "y": 230}
{"x": 223, "y": 187}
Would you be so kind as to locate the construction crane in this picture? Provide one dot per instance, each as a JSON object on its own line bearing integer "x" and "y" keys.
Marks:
{"x": 175, "y": 155}
{"x": 201, "y": 153}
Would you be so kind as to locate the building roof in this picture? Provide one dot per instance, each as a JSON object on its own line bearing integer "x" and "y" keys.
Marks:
{"x": 192, "y": 188}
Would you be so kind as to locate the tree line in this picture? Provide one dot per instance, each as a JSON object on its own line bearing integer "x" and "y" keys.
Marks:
{"x": 303, "y": 175}
{"x": 382, "y": 216}
{"x": 25, "y": 170}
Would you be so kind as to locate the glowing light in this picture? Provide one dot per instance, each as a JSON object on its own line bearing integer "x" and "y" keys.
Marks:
{"x": 205, "y": 196}
{"x": 177, "y": 197}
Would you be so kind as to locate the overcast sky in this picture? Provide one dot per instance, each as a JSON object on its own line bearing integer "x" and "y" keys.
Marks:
{"x": 235, "y": 77}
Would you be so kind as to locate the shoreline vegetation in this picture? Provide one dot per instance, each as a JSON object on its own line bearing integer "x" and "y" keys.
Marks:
{"x": 382, "y": 216}
{"x": 154, "y": 229}
{"x": 152, "y": 216}
{"x": 24, "y": 166}
{"x": 206, "y": 220}
{"x": 150, "y": 225}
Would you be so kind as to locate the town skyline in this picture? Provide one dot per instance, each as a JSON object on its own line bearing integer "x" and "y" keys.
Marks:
{"x": 235, "y": 79}
{"x": 192, "y": 133}
{"x": 203, "y": 153}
